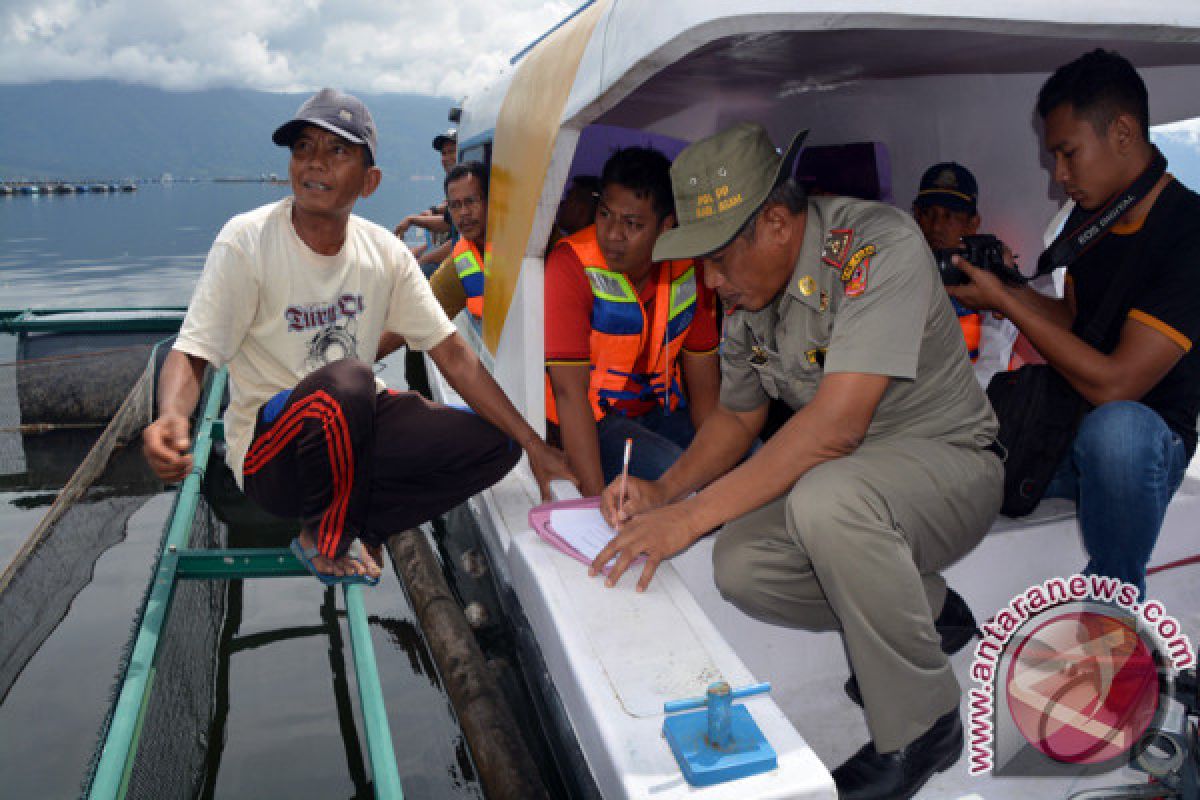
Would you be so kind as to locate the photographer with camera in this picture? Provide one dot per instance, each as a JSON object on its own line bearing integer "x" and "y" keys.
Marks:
{"x": 1122, "y": 372}
{"x": 946, "y": 212}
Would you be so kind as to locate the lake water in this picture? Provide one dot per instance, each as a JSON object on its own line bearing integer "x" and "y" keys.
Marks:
{"x": 144, "y": 247}
{"x": 279, "y": 731}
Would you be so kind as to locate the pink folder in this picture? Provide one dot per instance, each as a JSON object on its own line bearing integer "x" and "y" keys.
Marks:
{"x": 539, "y": 518}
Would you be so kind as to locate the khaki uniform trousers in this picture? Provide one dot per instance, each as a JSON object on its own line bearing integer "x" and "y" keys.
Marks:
{"x": 856, "y": 545}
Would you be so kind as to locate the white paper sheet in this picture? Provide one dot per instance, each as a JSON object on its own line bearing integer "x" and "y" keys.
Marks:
{"x": 582, "y": 528}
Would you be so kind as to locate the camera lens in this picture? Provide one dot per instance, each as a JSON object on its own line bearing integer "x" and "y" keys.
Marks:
{"x": 951, "y": 275}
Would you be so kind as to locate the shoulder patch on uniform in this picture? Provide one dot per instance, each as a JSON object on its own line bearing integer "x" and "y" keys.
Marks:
{"x": 857, "y": 283}
{"x": 860, "y": 255}
{"x": 837, "y": 246}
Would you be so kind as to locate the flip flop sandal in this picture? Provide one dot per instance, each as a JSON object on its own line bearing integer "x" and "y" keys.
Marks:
{"x": 305, "y": 556}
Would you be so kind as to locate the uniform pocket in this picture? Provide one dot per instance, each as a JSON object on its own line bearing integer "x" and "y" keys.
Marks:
{"x": 768, "y": 368}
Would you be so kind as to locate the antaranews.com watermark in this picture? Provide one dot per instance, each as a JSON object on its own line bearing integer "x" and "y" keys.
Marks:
{"x": 1070, "y": 673}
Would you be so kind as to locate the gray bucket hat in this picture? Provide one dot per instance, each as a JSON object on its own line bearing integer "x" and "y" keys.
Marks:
{"x": 718, "y": 183}
{"x": 336, "y": 112}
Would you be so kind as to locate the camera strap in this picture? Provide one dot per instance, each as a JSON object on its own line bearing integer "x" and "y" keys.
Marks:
{"x": 1083, "y": 228}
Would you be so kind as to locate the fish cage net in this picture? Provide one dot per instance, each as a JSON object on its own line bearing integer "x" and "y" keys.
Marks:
{"x": 59, "y": 436}
{"x": 72, "y": 408}
{"x": 177, "y": 738}
{"x": 60, "y": 383}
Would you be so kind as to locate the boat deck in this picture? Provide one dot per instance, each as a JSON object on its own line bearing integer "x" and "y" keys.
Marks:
{"x": 615, "y": 656}
{"x": 807, "y": 670}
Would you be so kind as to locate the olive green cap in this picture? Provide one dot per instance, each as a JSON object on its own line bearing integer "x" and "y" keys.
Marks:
{"x": 718, "y": 183}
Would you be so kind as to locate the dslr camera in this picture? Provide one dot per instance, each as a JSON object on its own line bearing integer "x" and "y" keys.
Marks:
{"x": 984, "y": 251}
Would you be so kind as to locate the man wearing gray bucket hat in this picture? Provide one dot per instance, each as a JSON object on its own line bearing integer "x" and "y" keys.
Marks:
{"x": 886, "y": 471}
{"x": 294, "y": 298}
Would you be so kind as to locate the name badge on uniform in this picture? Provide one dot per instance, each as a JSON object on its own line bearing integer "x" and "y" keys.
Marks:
{"x": 758, "y": 355}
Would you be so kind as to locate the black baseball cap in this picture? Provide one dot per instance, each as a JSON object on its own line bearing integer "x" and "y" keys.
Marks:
{"x": 441, "y": 139}
{"x": 950, "y": 185}
{"x": 336, "y": 112}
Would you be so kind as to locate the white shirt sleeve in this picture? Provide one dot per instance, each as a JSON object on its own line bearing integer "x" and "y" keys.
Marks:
{"x": 414, "y": 311}
{"x": 222, "y": 306}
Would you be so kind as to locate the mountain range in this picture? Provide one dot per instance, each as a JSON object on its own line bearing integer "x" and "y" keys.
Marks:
{"x": 74, "y": 130}
{"x": 105, "y": 130}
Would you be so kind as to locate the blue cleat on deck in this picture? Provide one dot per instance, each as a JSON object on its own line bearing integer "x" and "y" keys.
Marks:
{"x": 720, "y": 743}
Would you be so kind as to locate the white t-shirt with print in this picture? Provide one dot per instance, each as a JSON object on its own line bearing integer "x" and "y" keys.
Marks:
{"x": 274, "y": 310}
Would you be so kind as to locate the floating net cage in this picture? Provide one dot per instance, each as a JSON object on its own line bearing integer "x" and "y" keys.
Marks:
{"x": 72, "y": 408}
{"x": 173, "y": 748}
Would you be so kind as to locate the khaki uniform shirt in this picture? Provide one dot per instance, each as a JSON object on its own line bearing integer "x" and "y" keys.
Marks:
{"x": 864, "y": 297}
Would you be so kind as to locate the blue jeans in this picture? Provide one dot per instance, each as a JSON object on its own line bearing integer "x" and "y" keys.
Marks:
{"x": 658, "y": 441}
{"x": 1122, "y": 470}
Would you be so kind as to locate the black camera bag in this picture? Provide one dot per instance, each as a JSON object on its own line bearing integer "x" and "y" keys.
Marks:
{"x": 1038, "y": 413}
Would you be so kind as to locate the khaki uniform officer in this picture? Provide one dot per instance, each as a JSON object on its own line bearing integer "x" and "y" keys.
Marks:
{"x": 882, "y": 476}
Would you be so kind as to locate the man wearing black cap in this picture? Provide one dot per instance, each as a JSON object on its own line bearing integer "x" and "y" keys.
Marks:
{"x": 885, "y": 472}
{"x": 294, "y": 298}
{"x": 946, "y": 210}
{"x": 447, "y": 144}
{"x": 437, "y": 220}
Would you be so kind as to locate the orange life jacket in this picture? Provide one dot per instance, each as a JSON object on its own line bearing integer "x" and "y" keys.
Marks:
{"x": 472, "y": 271}
{"x": 621, "y": 332}
{"x": 971, "y": 323}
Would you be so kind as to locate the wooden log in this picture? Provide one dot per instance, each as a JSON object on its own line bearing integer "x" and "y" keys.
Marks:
{"x": 506, "y": 768}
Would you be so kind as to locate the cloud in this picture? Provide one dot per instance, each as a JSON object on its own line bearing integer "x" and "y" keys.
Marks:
{"x": 1183, "y": 132}
{"x": 431, "y": 47}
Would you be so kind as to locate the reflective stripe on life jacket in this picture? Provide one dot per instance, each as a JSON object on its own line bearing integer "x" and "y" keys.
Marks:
{"x": 471, "y": 271}
{"x": 621, "y": 333}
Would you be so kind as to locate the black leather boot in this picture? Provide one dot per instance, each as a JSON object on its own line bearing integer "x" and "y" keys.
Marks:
{"x": 871, "y": 775}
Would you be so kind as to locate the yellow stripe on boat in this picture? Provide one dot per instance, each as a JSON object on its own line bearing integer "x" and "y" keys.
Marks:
{"x": 525, "y": 132}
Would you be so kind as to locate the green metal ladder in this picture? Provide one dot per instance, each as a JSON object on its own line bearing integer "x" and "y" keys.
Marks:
{"x": 180, "y": 563}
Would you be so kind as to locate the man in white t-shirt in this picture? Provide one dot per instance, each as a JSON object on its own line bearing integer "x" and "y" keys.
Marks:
{"x": 294, "y": 298}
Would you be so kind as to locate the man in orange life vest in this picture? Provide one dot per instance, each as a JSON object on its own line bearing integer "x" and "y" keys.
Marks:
{"x": 626, "y": 335}
{"x": 458, "y": 282}
{"x": 946, "y": 210}
{"x": 467, "y": 200}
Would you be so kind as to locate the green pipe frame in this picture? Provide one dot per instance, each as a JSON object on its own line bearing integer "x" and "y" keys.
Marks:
{"x": 178, "y": 562}
{"x": 24, "y": 320}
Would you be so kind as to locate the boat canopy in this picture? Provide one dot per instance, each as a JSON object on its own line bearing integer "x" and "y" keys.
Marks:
{"x": 919, "y": 82}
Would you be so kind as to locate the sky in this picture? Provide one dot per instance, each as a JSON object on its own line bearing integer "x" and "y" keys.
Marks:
{"x": 436, "y": 47}
{"x": 443, "y": 48}
{"x": 1184, "y": 132}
